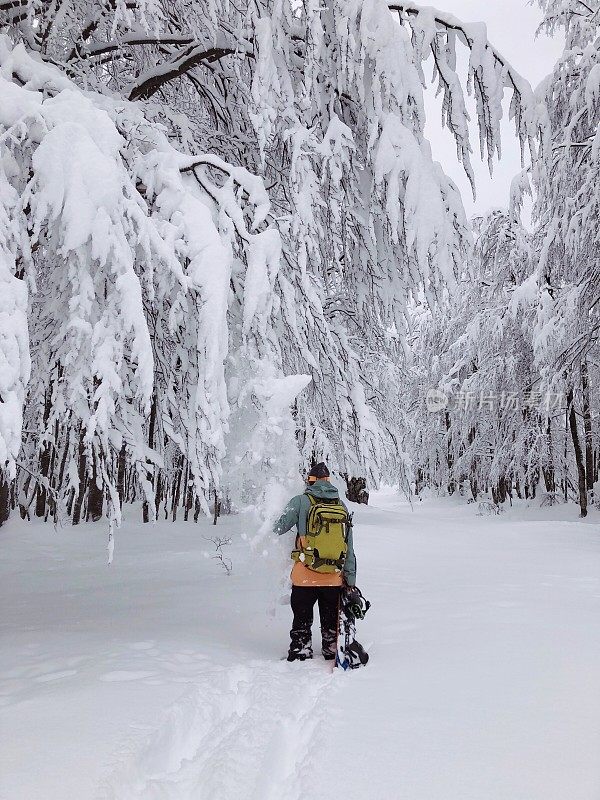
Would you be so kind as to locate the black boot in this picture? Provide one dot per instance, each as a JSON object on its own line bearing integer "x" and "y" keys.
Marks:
{"x": 329, "y": 643}
{"x": 292, "y": 656}
{"x": 300, "y": 645}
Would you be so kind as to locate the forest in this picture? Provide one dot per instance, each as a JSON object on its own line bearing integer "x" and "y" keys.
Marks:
{"x": 226, "y": 251}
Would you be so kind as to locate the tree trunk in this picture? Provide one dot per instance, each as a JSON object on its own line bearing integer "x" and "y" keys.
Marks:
{"x": 565, "y": 457}
{"x": 121, "y": 473}
{"x": 473, "y": 467}
{"x": 449, "y": 457}
{"x": 51, "y": 509}
{"x": 499, "y": 492}
{"x": 578, "y": 454}
{"x": 474, "y": 486}
{"x": 419, "y": 481}
{"x": 95, "y": 492}
{"x": 177, "y": 488}
{"x": 189, "y": 495}
{"x": 216, "y": 508}
{"x": 82, "y": 473}
{"x": 518, "y": 488}
{"x": 4, "y": 497}
{"x": 41, "y": 497}
{"x": 151, "y": 425}
{"x": 158, "y": 495}
{"x": 548, "y": 470}
{"x": 587, "y": 426}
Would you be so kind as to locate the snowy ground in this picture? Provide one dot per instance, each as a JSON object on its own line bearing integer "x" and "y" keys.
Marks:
{"x": 159, "y": 677}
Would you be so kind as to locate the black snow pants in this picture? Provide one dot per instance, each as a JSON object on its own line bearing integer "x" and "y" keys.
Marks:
{"x": 303, "y": 601}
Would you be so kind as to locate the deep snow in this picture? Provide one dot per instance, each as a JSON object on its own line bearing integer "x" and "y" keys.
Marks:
{"x": 160, "y": 678}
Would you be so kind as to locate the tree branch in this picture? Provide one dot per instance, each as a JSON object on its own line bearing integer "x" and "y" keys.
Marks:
{"x": 154, "y": 79}
{"x": 128, "y": 41}
{"x": 451, "y": 23}
{"x": 89, "y": 29}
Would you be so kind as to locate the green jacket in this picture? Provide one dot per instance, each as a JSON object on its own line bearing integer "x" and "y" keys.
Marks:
{"x": 296, "y": 513}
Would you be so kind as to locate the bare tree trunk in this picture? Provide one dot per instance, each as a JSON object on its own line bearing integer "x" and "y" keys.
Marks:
{"x": 151, "y": 426}
{"x": 217, "y": 508}
{"x": 95, "y": 492}
{"x": 474, "y": 486}
{"x": 61, "y": 471}
{"x": 51, "y": 509}
{"x": 587, "y": 426}
{"x": 121, "y": 472}
{"x": 578, "y": 454}
{"x": 419, "y": 481}
{"x": 41, "y": 497}
{"x": 177, "y": 488}
{"x": 158, "y": 494}
{"x": 473, "y": 468}
{"x": 189, "y": 495}
{"x": 4, "y": 497}
{"x": 24, "y": 506}
{"x": 565, "y": 457}
{"x": 130, "y": 485}
{"x": 82, "y": 473}
{"x": 548, "y": 470}
{"x": 534, "y": 484}
{"x": 509, "y": 489}
{"x": 12, "y": 495}
{"x": 449, "y": 457}
{"x": 499, "y": 492}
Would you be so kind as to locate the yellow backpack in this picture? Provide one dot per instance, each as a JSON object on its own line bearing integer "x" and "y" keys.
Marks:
{"x": 324, "y": 546}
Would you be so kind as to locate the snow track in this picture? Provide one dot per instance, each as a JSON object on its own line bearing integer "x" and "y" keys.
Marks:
{"x": 242, "y": 733}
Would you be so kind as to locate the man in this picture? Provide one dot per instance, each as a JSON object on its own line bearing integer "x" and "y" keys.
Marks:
{"x": 314, "y": 579}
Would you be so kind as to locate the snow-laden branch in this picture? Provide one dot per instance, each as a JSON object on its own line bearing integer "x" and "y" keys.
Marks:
{"x": 179, "y": 288}
{"x": 489, "y": 74}
{"x": 473, "y": 35}
{"x": 141, "y": 39}
{"x": 153, "y": 79}
{"x": 127, "y": 258}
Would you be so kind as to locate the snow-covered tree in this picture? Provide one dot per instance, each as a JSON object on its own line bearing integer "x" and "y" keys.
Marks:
{"x": 194, "y": 186}
{"x": 564, "y": 290}
{"x": 476, "y": 352}
{"x": 517, "y": 348}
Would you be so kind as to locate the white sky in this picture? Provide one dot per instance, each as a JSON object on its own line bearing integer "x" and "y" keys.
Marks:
{"x": 511, "y": 28}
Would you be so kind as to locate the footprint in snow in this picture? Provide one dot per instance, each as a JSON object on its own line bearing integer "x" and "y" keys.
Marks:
{"x": 253, "y": 726}
{"x": 125, "y": 675}
{"x": 55, "y": 676}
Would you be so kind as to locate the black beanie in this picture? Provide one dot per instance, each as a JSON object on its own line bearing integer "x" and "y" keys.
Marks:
{"x": 319, "y": 471}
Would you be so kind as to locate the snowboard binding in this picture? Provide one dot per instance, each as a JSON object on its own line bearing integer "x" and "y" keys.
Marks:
{"x": 354, "y": 602}
{"x": 350, "y": 653}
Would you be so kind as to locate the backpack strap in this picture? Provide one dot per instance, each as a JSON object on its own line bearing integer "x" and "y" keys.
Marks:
{"x": 312, "y": 501}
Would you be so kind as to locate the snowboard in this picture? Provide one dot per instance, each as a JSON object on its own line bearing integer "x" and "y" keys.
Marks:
{"x": 350, "y": 654}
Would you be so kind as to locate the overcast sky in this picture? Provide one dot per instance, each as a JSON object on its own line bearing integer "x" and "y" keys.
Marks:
{"x": 511, "y": 28}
